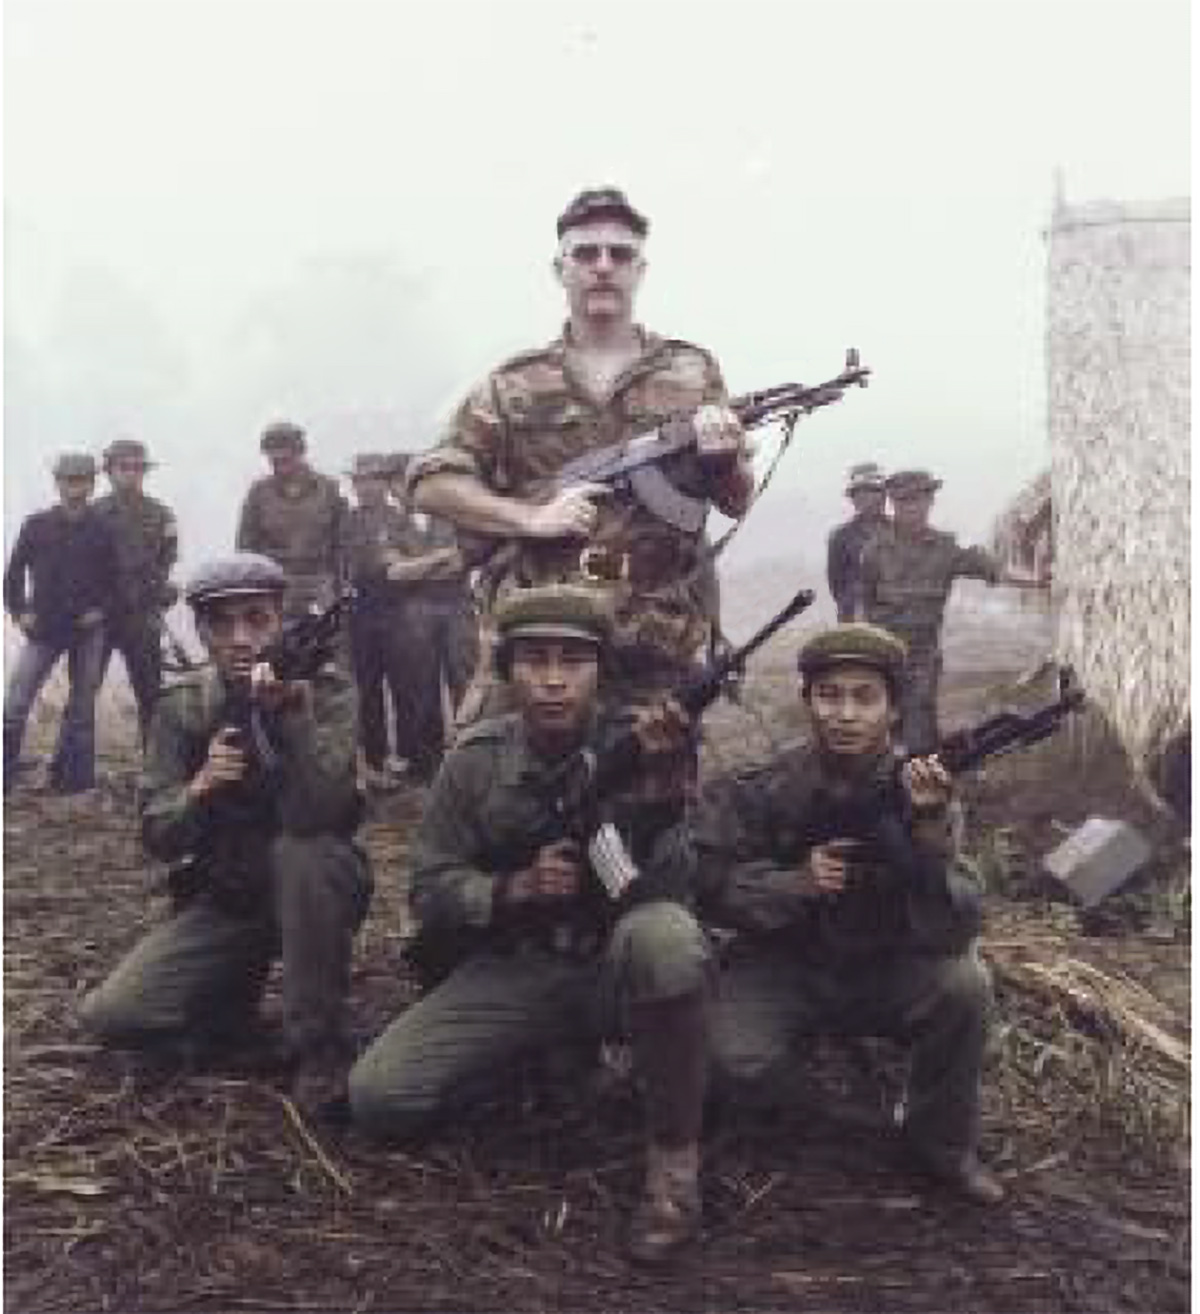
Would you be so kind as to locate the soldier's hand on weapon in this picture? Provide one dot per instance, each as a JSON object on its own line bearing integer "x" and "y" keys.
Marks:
{"x": 662, "y": 728}
{"x": 571, "y": 513}
{"x": 719, "y": 434}
{"x": 555, "y": 873}
{"x": 825, "y": 869}
{"x": 275, "y": 695}
{"x": 25, "y": 622}
{"x": 224, "y": 765}
{"x": 927, "y": 783}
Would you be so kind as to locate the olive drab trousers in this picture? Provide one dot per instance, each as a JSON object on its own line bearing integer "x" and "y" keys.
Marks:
{"x": 200, "y": 974}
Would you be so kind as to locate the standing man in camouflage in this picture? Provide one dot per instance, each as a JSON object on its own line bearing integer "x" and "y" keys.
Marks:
{"x": 866, "y": 493}
{"x": 296, "y": 517}
{"x": 58, "y": 588}
{"x": 147, "y": 540}
{"x": 535, "y": 955}
{"x": 604, "y": 379}
{"x": 259, "y": 832}
{"x": 838, "y": 867}
{"x": 906, "y": 570}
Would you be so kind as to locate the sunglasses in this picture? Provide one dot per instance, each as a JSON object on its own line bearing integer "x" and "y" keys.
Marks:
{"x": 619, "y": 253}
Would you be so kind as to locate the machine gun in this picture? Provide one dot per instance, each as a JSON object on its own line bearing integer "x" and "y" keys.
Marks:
{"x": 579, "y": 787}
{"x": 302, "y": 648}
{"x": 786, "y": 401}
{"x": 966, "y": 749}
{"x": 226, "y": 862}
{"x": 574, "y": 798}
{"x": 635, "y": 466}
{"x": 875, "y": 824}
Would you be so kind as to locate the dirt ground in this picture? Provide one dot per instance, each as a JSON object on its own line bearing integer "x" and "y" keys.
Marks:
{"x": 135, "y": 1187}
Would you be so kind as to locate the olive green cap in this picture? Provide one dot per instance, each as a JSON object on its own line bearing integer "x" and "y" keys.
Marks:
{"x": 858, "y": 644}
{"x": 557, "y": 611}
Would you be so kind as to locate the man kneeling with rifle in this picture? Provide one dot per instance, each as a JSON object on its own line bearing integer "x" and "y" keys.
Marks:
{"x": 249, "y": 790}
{"x": 518, "y": 915}
{"x": 837, "y": 863}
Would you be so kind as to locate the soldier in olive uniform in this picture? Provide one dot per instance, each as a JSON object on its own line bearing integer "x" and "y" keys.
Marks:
{"x": 837, "y": 864}
{"x": 865, "y": 489}
{"x": 147, "y": 542}
{"x": 539, "y": 955}
{"x": 439, "y": 626}
{"x": 906, "y": 571}
{"x": 296, "y": 517}
{"x": 259, "y": 830}
{"x": 603, "y": 380}
{"x": 392, "y": 567}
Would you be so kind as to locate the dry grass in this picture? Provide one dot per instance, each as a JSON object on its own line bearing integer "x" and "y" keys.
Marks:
{"x": 1119, "y": 411}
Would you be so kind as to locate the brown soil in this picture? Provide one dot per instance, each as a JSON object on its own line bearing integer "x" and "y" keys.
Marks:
{"x": 136, "y": 1188}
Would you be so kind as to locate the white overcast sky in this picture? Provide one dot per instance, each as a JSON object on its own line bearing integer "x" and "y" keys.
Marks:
{"x": 216, "y": 213}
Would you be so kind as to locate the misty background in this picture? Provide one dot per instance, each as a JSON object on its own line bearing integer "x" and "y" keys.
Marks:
{"x": 218, "y": 214}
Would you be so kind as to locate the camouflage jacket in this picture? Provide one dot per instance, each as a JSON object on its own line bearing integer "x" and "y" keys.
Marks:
{"x": 147, "y": 543}
{"x": 843, "y": 562}
{"x": 753, "y": 830}
{"x": 530, "y": 417}
{"x": 312, "y": 791}
{"x": 300, "y": 525}
{"x": 906, "y": 581}
{"x": 487, "y": 815}
{"x": 375, "y": 534}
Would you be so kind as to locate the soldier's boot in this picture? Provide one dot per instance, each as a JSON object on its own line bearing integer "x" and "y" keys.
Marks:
{"x": 320, "y": 1084}
{"x": 668, "y": 1217}
{"x": 964, "y": 1174}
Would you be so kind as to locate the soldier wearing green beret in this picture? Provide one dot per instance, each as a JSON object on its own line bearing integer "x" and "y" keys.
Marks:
{"x": 601, "y": 381}
{"x": 543, "y": 957}
{"x": 837, "y": 865}
{"x": 296, "y": 516}
{"x": 147, "y": 540}
{"x": 906, "y": 571}
{"x": 259, "y": 833}
{"x": 58, "y": 589}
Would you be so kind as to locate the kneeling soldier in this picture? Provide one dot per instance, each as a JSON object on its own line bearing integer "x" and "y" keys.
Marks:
{"x": 259, "y": 829}
{"x": 837, "y": 864}
{"x": 542, "y": 960}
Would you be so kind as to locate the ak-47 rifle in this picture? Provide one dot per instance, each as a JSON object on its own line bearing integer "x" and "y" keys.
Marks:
{"x": 578, "y": 789}
{"x": 302, "y": 648}
{"x": 574, "y": 800}
{"x": 635, "y": 466}
{"x": 877, "y": 824}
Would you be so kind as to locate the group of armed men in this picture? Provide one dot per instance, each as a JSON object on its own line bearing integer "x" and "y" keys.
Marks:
{"x": 87, "y": 578}
{"x": 596, "y": 610}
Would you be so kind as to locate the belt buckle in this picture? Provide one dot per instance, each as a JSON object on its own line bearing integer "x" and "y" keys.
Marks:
{"x": 592, "y": 561}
